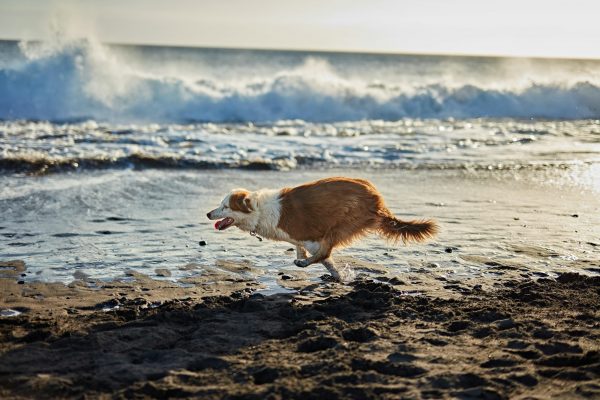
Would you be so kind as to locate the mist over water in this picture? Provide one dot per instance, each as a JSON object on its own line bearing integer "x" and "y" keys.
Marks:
{"x": 78, "y": 80}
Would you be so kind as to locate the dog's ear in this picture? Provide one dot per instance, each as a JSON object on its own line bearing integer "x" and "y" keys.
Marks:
{"x": 248, "y": 203}
{"x": 239, "y": 201}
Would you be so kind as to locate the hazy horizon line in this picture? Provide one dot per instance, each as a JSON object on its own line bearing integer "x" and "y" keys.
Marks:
{"x": 307, "y": 50}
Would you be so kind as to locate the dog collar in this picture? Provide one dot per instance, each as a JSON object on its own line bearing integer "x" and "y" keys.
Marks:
{"x": 253, "y": 233}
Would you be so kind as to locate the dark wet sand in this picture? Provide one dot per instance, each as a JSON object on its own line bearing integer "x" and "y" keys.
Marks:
{"x": 148, "y": 339}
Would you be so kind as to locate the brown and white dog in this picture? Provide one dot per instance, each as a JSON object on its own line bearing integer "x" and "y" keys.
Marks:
{"x": 317, "y": 217}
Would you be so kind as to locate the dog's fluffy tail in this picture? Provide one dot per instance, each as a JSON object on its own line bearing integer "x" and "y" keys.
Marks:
{"x": 395, "y": 229}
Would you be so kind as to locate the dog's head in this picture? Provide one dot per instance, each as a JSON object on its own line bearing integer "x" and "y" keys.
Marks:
{"x": 234, "y": 210}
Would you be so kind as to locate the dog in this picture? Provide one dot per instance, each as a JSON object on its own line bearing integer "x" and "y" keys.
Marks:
{"x": 318, "y": 217}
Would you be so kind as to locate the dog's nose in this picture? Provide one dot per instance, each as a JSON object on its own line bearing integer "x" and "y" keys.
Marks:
{"x": 208, "y": 215}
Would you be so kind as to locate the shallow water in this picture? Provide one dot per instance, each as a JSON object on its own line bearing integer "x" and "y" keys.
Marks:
{"x": 103, "y": 223}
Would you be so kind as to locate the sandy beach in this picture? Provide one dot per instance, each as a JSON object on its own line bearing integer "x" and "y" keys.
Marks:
{"x": 141, "y": 338}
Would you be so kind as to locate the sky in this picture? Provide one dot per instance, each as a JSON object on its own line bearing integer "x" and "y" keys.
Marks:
{"x": 531, "y": 28}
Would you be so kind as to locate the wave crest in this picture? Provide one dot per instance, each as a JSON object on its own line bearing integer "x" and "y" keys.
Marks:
{"x": 84, "y": 80}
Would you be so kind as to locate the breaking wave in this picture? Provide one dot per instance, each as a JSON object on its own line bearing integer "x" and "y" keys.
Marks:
{"x": 84, "y": 80}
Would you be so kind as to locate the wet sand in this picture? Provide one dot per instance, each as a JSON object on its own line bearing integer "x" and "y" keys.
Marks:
{"x": 136, "y": 337}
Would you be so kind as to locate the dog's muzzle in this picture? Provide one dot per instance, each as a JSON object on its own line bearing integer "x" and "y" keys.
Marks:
{"x": 209, "y": 214}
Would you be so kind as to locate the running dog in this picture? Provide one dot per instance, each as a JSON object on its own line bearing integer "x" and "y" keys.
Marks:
{"x": 318, "y": 217}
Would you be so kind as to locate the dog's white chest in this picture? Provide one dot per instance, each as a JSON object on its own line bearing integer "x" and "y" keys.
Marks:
{"x": 272, "y": 232}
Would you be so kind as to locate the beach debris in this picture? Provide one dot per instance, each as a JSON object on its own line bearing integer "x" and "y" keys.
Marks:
{"x": 432, "y": 265}
{"x": 108, "y": 305}
{"x": 448, "y": 250}
{"x": 253, "y": 233}
{"x": 575, "y": 215}
{"x": 202, "y": 243}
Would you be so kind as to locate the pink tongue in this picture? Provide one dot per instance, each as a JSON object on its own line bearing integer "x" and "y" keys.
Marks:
{"x": 217, "y": 224}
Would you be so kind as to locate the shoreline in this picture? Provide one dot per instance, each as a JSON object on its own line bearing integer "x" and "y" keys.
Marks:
{"x": 104, "y": 224}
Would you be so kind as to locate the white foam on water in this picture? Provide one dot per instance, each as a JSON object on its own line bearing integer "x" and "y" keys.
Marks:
{"x": 9, "y": 313}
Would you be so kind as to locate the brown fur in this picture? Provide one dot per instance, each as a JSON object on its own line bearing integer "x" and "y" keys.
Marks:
{"x": 239, "y": 201}
{"x": 336, "y": 211}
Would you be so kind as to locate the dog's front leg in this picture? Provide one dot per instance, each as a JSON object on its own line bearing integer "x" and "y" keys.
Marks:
{"x": 304, "y": 262}
{"x": 327, "y": 262}
{"x": 321, "y": 252}
{"x": 301, "y": 252}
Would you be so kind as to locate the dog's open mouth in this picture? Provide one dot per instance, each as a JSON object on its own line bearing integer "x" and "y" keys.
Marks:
{"x": 224, "y": 223}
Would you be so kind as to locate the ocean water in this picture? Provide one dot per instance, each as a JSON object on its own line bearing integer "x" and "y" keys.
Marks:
{"x": 111, "y": 155}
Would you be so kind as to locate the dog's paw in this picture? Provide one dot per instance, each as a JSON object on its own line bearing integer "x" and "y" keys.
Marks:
{"x": 301, "y": 263}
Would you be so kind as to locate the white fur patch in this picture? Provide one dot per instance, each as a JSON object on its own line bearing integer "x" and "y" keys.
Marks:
{"x": 264, "y": 217}
{"x": 223, "y": 210}
{"x": 311, "y": 247}
{"x": 269, "y": 209}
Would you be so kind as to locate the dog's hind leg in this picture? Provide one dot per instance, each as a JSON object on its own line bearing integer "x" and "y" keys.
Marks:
{"x": 342, "y": 274}
{"x": 330, "y": 265}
